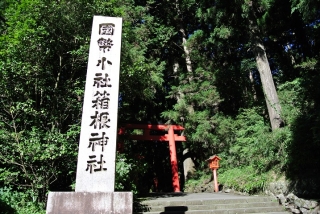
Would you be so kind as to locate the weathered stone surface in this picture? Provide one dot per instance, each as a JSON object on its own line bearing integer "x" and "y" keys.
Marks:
{"x": 310, "y": 204}
{"x": 297, "y": 211}
{"x": 228, "y": 190}
{"x": 298, "y": 205}
{"x": 282, "y": 199}
{"x": 291, "y": 197}
{"x": 94, "y": 190}
{"x": 278, "y": 187}
{"x": 304, "y": 210}
{"x": 89, "y": 203}
{"x": 298, "y": 202}
{"x": 188, "y": 165}
{"x": 209, "y": 203}
{"x": 98, "y": 137}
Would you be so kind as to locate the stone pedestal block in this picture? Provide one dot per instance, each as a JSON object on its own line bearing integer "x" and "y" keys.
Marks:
{"x": 89, "y": 203}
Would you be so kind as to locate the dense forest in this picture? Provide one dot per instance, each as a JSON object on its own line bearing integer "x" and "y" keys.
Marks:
{"x": 241, "y": 76}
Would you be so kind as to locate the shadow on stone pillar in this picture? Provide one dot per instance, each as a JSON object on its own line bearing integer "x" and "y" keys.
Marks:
{"x": 188, "y": 164}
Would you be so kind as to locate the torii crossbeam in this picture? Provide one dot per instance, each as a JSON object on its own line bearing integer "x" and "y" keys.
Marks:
{"x": 171, "y": 137}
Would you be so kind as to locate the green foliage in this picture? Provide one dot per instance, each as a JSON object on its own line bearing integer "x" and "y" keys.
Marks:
{"x": 197, "y": 179}
{"x": 250, "y": 128}
{"x": 249, "y": 151}
{"x": 308, "y": 8}
{"x": 123, "y": 169}
{"x": 14, "y": 202}
{"x": 126, "y": 170}
{"x": 303, "y": 151}
{"x": 43, "y": 56}
{"x": 222, "y": 32}
{"x": 244, "y": 179}
{"x": 291, "y": 100}
{"x": 253, "y": 144}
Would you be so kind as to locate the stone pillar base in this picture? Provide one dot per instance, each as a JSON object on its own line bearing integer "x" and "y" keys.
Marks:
{"x": 89, "y": 203}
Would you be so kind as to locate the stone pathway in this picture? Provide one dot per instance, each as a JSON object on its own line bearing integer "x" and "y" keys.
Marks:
{"x": 206, "y": 203}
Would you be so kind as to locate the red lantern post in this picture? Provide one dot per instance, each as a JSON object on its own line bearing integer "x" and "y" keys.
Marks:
{"x": 214, "y": 165}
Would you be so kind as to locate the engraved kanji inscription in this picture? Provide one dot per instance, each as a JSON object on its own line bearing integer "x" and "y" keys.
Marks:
{"x": 97, "y": 140}
{"x": 95, "y": 166}
{"x": 105, "y": 44}
{"x": 106, "y": 28}
{"x": 102, "y": 62}
{"x": 100, "y": 81}
{"x": 101, "y": 100}
{"x": 100, "y": 120}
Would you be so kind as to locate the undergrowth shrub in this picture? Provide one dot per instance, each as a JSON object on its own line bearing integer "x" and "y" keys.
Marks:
{"x": 244, "y": 179}
{"x": 15, "y": 202}
{"x": 255, "y": 145}
{"x": 251, "y": 152}
{"x": 124, "y": 168}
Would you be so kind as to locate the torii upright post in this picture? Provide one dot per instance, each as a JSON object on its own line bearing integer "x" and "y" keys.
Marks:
{"x": 173, "y": 160}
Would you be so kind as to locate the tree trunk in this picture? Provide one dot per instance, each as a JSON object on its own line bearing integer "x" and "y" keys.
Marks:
{"x": 269, "y": 89}
{"x": 188, "y": 164}
{"x": 186, "y": 50}
{"x": 252, "y": 86}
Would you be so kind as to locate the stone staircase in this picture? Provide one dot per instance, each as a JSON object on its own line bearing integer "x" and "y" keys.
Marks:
{"x": 204, "y": 203}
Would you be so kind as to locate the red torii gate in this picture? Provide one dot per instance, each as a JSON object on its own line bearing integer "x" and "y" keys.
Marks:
{"x": 171, "y": 137}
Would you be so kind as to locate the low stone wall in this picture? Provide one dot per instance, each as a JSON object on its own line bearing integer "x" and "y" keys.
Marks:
{"x": 291, "y": 202}
{"x": 298, "y": 205}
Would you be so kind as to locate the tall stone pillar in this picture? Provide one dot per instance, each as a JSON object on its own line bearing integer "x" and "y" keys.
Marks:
{"x": 94, "y": 192}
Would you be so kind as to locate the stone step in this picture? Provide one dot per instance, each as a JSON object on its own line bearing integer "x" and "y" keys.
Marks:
{"x": 219, "y": 206}
{"x": 284, "y": 212}
{"x": 260, "y": 210}
{"x": 209, "y": 204}
{"x": 169, "y": 202}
